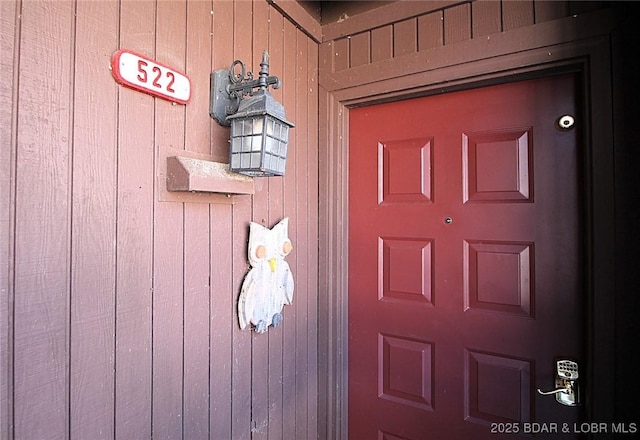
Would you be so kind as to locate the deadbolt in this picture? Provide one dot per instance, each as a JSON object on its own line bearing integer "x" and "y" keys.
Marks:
{"x": 567, "y": 390}
{"x": 565, "y": 122}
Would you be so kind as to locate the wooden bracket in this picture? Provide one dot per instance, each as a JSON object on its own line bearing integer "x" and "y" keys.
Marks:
{"x": 205, "y": 176}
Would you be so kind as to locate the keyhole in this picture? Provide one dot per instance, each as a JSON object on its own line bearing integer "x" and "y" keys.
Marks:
{"x": 448, "y": 220}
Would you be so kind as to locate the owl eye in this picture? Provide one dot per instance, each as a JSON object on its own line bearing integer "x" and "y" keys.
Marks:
{"x": 287, "y": 247}
{"x": 260, "y": 252}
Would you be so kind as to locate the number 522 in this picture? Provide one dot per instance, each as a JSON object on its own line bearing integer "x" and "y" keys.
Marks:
{"x": 148, "y": 76}
{"x": 157, "y": 74}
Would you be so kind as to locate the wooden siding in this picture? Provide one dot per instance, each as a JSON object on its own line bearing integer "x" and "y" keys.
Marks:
{"x": 406, "y": 36}
{"x": 118, "y": 308}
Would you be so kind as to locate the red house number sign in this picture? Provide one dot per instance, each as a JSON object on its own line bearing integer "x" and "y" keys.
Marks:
{"x": 140, "y": 73}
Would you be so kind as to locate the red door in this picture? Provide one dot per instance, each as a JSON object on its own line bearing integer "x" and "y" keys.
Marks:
{"x": 465, "y": 264}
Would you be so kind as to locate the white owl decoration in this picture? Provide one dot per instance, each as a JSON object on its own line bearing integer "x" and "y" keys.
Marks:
{"x": 268, "y": 286}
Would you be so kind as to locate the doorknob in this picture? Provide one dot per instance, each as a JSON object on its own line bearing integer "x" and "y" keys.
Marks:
{"x": 566, "y": 389}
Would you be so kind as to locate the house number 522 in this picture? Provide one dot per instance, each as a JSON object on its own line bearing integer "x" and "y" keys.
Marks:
{"x": 148, "y": 76}
{"x": 157, "y": 73}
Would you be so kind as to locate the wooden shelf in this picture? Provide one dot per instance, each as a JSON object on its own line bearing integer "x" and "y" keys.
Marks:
{"x": 189, "y": 174}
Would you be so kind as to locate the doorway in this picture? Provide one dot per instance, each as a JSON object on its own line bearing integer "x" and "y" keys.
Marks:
{"x": 466, "y": 269}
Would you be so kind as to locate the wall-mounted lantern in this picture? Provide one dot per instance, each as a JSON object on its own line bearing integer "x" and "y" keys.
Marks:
{"x": 259, "y": 129}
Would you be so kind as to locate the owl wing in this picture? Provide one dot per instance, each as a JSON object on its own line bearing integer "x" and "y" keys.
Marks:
{"x": 247, "y": 301}
{"x": 287, "y": 283}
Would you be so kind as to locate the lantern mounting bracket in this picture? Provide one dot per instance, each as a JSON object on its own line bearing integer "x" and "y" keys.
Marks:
{"x": 229, "y": 87}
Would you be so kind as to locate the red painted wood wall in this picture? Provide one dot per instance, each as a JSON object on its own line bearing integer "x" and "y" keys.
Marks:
{"x": 119, "y": 301}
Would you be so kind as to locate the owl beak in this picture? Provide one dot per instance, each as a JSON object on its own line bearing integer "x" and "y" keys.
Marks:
{"x": 273, "y": 263}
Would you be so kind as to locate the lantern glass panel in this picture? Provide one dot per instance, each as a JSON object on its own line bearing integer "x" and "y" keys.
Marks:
{"x": 271, "y": 145}
{"x": 258, "y": 126}
{"x": 256, "y": 143}
{"x": 235, "y": 161}
{"x": 270, "y": 126}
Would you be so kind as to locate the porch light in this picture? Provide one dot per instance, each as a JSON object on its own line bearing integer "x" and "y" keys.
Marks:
{"x": 259, "y": 128}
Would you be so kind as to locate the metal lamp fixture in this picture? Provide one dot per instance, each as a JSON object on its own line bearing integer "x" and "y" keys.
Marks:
{"x": 259, "y": 129}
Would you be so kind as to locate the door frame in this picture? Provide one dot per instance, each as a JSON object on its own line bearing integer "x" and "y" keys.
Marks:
{"x": 590, "y": 58}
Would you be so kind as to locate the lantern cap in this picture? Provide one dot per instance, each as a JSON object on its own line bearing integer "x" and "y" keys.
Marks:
{"x": 260, "y": 103}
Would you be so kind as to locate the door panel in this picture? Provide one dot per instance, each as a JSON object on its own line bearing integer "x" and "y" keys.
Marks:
{"x": 465, "y": 268}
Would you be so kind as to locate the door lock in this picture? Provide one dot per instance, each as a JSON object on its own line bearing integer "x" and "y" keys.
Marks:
{"x": 566, "y": 389}
{"x": 565, "y": 122}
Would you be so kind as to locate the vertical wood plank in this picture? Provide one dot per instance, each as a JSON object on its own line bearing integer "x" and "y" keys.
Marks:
{"x": 326, "y": 56}
{"x": 198, "y": 66}
{"x": 341, "y": 54}
{"x": 430, "y": 31}
{"x": 276, "y": 212}
{"x": 9, "y": 29}
{"x": 134, "y": 258}
{"x": 223, "y": 320}
{"x": 302, "y": 245}
{"x": 457, "y": 24}
{"x": 93, "y": 223}
{"x": 516, "y": 14}
{"x": 405, "y": 37}
{"x": 168, "y": 242}
{"x": 197, "y": 231}
{"x": 222, "y": 57}
{"x": 260, "y": 342}
{"x": 360, "y": 49}
{"x": 550, "y": 10}
{"x": 242, "y": 211}
{"x": 42, "y": 221}
{"x": 312, "y": 239}
{"x": 289, "y": 94}
{"x": 487, "y": 18}
{"x": 241, "y": 362}
{"x": 382, "y": 43}
{"x": 196, "y": 322}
